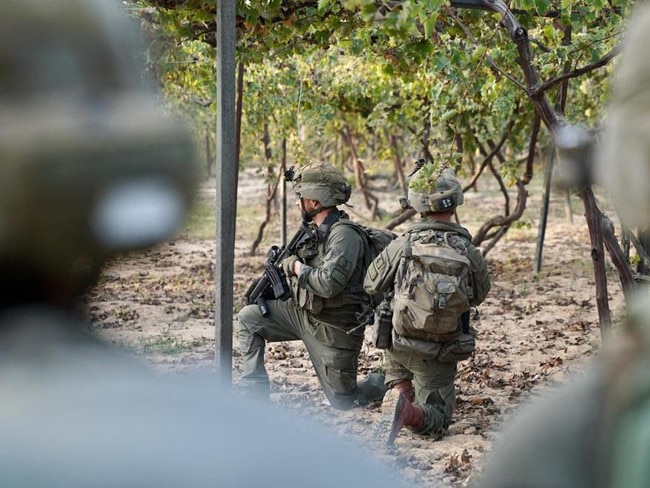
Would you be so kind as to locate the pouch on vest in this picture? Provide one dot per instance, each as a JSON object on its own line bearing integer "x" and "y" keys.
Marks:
{"x": 457, "y": 349}
{"x": 305, "y": 299}
{"x": 383, "y": 326}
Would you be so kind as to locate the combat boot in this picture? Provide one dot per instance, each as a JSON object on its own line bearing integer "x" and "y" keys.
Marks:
{"x": 257, "y": 391}
{"x": 405, "y": 387}
{"x": 406, "y": 415}
{"x": 371, "y": 389}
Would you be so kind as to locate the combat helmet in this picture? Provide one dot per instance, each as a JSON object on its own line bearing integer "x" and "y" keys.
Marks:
{"x": 89, "y": 166}
{"x": 322, "y": 182}
{"x": 434, "y": 191}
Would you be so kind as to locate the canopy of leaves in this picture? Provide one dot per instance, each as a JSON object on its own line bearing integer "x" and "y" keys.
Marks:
{"x": 401, "y": 78}
{"x": 180, "y": 56}
{"x": 368, "y": 81}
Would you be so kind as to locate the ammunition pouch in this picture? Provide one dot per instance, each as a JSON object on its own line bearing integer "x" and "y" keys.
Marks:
{"x": 382, "y": 328}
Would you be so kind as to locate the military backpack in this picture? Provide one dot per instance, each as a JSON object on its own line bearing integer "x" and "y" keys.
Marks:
{"x": 432, "y": 287}
{"x": 375, "y": 240}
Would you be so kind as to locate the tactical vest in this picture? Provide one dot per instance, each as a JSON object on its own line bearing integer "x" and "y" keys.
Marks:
{"x": 312, "y": 253}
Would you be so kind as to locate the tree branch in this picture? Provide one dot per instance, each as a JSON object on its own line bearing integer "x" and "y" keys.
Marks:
{"x": 541, "y": 88}
{"x": 491, "y": 63}
{"x": 491, "y": 154}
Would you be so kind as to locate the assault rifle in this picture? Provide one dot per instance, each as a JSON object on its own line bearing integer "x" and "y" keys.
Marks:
{"x": 272, "y": 285}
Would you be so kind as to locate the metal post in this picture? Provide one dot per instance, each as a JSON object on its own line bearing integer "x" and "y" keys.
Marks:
{"x": 543, "y": 218}
{"x": 226, "y": 198}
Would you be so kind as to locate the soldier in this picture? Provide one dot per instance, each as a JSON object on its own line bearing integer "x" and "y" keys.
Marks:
{"x": 88, "y": 169}
{"x": 421, "y": 363}
{"x": 592, "y": 432}
{"x": 326, "y": 278}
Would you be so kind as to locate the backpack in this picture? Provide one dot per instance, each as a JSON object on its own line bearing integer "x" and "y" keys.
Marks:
{"x": 432, "y": 287}
{"x": 375, "y": 240}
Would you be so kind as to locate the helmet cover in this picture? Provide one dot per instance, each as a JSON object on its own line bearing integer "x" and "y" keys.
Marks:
{"x": 322, "y": 182}
{"x": 438, "y": 194}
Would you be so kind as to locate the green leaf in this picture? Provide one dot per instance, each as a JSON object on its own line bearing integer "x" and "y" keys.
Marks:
{"x": 566, "y": 5}
{"x": 429, "y": 26}
{"x": 324, "y": 4}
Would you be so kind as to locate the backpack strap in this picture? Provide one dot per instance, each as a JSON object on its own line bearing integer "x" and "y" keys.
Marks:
{"x": 407, "y": 255}
{"x": 456, "y": 241}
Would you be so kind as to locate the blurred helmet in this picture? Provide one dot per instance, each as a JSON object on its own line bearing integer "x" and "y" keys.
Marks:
{"x": 322, "y": 182}
{"x": 441, "y": 194}
{"x": 623, "y": 159}
{"x": 89, "y": 166}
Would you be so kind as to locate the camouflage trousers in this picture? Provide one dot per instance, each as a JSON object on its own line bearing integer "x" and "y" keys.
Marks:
{"x": 333, "y": 353}
{"x": 433, "y": 381}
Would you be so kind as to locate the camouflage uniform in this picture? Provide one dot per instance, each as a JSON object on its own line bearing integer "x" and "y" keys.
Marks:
{"x": 413, "y": 372}
{"x": 623, "y": 155}
{"x": 90, "y": 168}
{"x": 411, "y": 359}
{"x": 327, "y": 296}
{"x": 79, "y": 414}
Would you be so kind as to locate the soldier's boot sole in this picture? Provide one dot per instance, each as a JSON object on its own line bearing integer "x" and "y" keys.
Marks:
{"x": 385, "y": 431}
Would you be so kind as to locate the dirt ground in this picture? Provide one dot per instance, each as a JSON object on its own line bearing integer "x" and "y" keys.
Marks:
{"x": 532, "y": 330}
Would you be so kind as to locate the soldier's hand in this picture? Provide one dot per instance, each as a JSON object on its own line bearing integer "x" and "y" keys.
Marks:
{"x": 288, "y": 266}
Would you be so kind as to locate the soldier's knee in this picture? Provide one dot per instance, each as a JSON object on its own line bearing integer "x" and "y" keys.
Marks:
{"x": 247, "y": 317}
{"x": 245, "y": 329}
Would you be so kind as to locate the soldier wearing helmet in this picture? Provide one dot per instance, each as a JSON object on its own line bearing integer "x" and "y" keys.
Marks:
{"x": 89, "y": 168}
{"x": 325, "y": 276}
{"x": 421, "y": 392}
{"x": 442, "y": 198}
{"x": 323, "y": 184}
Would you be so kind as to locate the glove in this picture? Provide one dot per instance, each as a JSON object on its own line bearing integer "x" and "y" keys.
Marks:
{"x": 288, "y": 264}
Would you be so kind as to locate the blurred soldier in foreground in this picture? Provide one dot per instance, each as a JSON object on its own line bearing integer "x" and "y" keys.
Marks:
{"x": 88, "y": 169}
{"x": 434, "y": 275}
{"x": 325, "y": 274}
{"x": 594, "y": 432}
